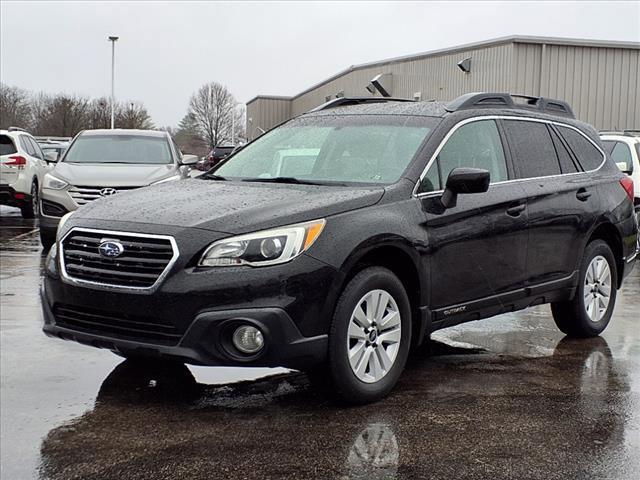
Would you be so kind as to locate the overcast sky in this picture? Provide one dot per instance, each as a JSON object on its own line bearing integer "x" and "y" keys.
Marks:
{"x": 167, "y": 50}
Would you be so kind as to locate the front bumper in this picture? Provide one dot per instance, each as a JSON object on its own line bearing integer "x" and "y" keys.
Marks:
{"x": 292, "y": 304}
{"x": 204, "y": 343}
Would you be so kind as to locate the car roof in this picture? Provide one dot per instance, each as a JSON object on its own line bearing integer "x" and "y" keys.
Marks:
{"x": 15, "y": 132}
{"x": 124, "y": 131}
{"x": 426, "y": 109}
{"x": 442, "y": 110}
{"x": 619, "y": 137}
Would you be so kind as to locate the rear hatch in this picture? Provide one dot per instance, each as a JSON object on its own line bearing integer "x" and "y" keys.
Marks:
{"x": 10, "y": 161}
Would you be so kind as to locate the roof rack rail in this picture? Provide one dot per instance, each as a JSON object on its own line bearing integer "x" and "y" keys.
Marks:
{"x": 16, "y": 129}
{"x": 506, "y": 100}
{"x": 343, "y": 101}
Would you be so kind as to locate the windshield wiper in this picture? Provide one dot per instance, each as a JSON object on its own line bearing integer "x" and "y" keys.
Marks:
{"x": 295, "y": 180}
{"x": 213, "y": 176}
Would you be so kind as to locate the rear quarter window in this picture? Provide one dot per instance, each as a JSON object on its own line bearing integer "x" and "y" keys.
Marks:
{"x": 6, "y": 145}
{"x": 589, "y": 156}
{"x": 567, "y": 164}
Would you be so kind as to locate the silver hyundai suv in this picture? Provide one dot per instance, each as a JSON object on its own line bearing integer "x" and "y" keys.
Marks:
{"x": 100, "y": 163}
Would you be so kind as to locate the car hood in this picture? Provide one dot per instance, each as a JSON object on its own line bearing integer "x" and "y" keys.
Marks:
{"x": 228, "y": 207}
{"x": 110, "y": 175}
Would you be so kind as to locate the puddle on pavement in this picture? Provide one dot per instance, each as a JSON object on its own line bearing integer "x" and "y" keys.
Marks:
{"x": 569, "y": 411}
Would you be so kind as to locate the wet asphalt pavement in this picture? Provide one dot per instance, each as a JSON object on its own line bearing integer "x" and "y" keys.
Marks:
{"x": 503, "y": 398}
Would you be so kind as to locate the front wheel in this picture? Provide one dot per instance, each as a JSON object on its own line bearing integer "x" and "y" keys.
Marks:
{"x": 370, "y": 336}
{"x": 590, "y": 311}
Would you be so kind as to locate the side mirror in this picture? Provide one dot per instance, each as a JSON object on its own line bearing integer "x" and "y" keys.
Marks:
{"x": 51, "y": 156}
{"x": 624, "y": 168}
{"x": 462, "y": 181}
{"x": 189, "y": 159}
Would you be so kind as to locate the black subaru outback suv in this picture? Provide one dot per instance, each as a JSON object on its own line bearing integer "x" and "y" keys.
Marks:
{"x": 343, "y": 237}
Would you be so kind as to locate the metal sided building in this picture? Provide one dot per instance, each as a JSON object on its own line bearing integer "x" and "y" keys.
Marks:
{"x": 599, "y": 79}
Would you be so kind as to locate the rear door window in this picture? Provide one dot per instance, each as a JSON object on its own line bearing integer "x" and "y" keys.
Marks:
{"x": 6, "y": 145}
{"x": 533, "y": 149}
{"x": 476, "y": 144}
{"x": 37, "y": 152}
{"x": 589, "y": 156}
{"x": 26, "y": 146}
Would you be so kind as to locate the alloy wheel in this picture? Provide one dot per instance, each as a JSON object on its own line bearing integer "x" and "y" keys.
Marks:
{"x": 374, "y": 336}
{"x": 597, "y": 288}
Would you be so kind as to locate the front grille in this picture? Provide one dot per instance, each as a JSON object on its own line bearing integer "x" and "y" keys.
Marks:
{"x": 144, "y": 258}
{"x": 84, "y": 195}
{"x": 116, "y": 325}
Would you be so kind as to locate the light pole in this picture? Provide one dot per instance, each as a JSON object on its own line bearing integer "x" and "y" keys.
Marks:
{"x": 113, "y": 76}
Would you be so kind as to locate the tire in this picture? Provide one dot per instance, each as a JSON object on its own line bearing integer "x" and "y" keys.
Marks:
{"x": 586, "y": 315}
{"x": 47, "y": 238}
{"x": 373, "y": 381}
{"x": 30, "y": 210}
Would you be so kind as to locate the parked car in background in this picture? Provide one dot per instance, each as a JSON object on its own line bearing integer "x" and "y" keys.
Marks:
{"x": 215, "y": 156}
{"x": 56, "y": 148}
{"x": 23, "y": 165}
{"x": 101, "y": 163}
{"x": 401, "y": 218}
{"x": 624, "y": 149}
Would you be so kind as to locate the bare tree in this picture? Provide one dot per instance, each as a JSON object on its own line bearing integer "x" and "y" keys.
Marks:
{"x": 212, "y": 108}
{"x": 188, "y": 137}
{"x": 134, "y": 115}
{"x": 65, "y": 115}
{"x": 61, "y": 115}
{"x": 15, "y": 108}
{"x": 99, "y": 113}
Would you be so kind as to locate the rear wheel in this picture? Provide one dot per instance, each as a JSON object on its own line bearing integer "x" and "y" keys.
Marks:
{"x": 590, "y": 311}
{"x": 30, "y": 209}
{"x": 370, "y": 336}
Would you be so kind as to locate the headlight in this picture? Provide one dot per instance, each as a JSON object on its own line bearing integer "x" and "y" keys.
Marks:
{"x": 168, "y": 179}
{"x": 61, "y": 223}
{"x": 268, "y": 247}
{"x": 53, "y": 183}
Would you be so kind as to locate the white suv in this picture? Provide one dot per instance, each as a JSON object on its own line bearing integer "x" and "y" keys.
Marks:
{"x": 22, "y": 168}
{"x": 624, "y": 149}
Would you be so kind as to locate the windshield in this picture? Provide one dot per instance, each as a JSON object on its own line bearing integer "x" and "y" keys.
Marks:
{"x": 332, "y": 149}
{"x": 119, "y": 149}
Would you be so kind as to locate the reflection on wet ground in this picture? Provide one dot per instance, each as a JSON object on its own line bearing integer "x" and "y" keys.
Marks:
{"x": 507, "y": 397}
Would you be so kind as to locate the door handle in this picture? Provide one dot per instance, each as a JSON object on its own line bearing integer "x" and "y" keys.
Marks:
{"x": 516, "y": 211}
{"x": 583, "y": 194}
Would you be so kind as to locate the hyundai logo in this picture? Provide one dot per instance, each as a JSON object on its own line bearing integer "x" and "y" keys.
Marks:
{"x": 110, "y": 249}
{"x": 105, "y": 192}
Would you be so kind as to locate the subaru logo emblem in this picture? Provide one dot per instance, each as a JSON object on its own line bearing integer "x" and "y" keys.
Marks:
{"x": 105, "y": 192}
{"x": 110, "y": 249}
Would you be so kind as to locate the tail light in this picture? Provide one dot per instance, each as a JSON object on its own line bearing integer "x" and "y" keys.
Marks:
{"x": 17, "y": 161}
{"x": 627, "y": 184}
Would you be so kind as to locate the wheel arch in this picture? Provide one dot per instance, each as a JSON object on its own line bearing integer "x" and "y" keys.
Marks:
{"x": 397, "y": 255}
{"x": 607, "y": 232}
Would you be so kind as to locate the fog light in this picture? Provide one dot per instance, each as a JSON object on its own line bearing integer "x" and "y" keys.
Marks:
{"x": 248, "y": 339}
